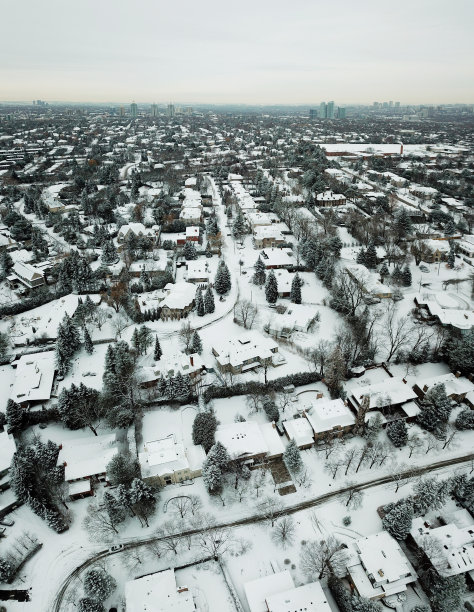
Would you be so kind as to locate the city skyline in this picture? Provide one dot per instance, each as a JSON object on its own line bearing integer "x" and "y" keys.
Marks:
{"x": 261, "y": 54}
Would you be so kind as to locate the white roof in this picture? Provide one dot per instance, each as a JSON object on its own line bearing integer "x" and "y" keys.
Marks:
{"x": 137, "y": 229}
{"x": 272, "y": 439}
{"x": 180, "y": 295}
{"x": 34, "y": 377}
{"x": 261, "y": 232}
{"x": 157, "y": 593}
{"x": 329, "y": 196}
{"x": 192, "y": 231}
{"x": 190, "y": 213}
{"x": 326, "y": 414}
{"x": 27, "y": 271}
{"x": 169, "y": 366}
{"x": 258, "y": 590}
{"x": 388, "y": 392}
{"x": 308, "y": 597}
{"x": 299, "y": 430}
{"x": 7, "y": 448}
{"x": 249, "y": 346}
{"x": 242, "y": 439}
{"x": 167, "y": 456}
{"x": 453, "y": 385}
{"x": 278, "y": 257}
{"x": 87, "y": 456}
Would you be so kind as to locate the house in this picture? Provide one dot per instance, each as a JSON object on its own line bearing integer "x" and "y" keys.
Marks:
{"x": 178, "y": 301}
{"x": 191, "y": 215}
{"x": 457, "y": 387}
{"x": 7, "y": 243}
{"x": 466, "y": 246}
{"x": 368, "y": 281}
{"x": 250, "y": 442}
{"x": 423, "y": 192}
{"x": 447, "y": 544}
{"x": 138, "y": 230}
{"x": 7, "y": 450}
{"x": 28, "y": 275}
{"x": 276, "y": 258}
{"x": 277, "y": 593}
{"x": 191, "y": 182}
{"x": 167, "y": 461}
{"x": 378, "y": 568}
{"x": 329, "y": 417}
{"x": 197, "y": 271}
{"x": 246, "y": 353}
{"x": 193, "y": 233}
{"x": 170, "y": 365}
{"x": 328, "y": 198}
{"x": 445, "y": 310}
{"x": 158, "y": 592}
{"x": 34, "y": 378}
{"x": 388, "y": 394}
{"x": 267, "y": 236}
{"x": 435, "y": 251}
{"x": 85, "y": 462}
{"x": 258, "y": 219}
{"x": 299, "y": 430}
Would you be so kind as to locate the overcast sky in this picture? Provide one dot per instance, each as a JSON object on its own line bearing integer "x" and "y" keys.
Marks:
{"x": 248, "y": 51}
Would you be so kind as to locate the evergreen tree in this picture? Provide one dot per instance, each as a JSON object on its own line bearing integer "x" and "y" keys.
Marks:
{"x": 371, "y": 257}
{"x": 7, "y": 571}
{"x": 209, "y": 305}
{"x": 461, "y": 353}
{"x": 260, "y": 275}
{"x": 449, "y": 228}
{"x": 465, "y": 419}
{"x": 212, "y": 477}
{"x": 406, "y": 276}
{"x": 158, "y": 352}
{"x": 397, "y": 276}
{"x": 295, "y": 294}
{"x": 189, "y": 251}
{"x": 292, "y": 457}
{"x": 271, "y": 288}
{"x": 361, "y": 604}
{"x": 122, "y": 469}
{"x": 445, "y": 594}
{"x": 435, "y": 410}
{"x": 204, "y": 428}
{"x": 98, "y": 584}
{"x": 397, "y": 433}
{"x": 143, "y": 499}
{"x": 109, "y": 252}
{"x": 200, "y": 309}
{"x": 88, "y": 346}
{"x": 196, "y": 344}
{"x": 6, "y": 263}
{"x": 238, "y": 227}
{"x": 68, "y": 341}
{"x": 222, "y": 282}
{"x": 271, "y": 409}
{"x": 361, "y": 258}
{"x": 15, "y": 417}
{"x": 145, "y": 280}
{"x": 398, "y": 519}
{"x": 451, "y": 259}
{"x": 86, "y": 604}
{"x": 114, "y": 509}
{"x": 384, "y": 272}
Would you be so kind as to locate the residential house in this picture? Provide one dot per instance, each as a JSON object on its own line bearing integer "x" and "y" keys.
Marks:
{"x": 389, "y": 396}
{"x": 28, "y": 275}
{"x": 329, "y": 417}
{"x": 457, "y": 387}
{"x": 328, "y": 198}
{"x": 158, "y": 592}
{"x": 249, "y": 351}
{"x": 250, "y": 442}
{"x": 34, "y": 378}
{"x": 267, "y": 236}
{"x": 368, "y": 281}
{"x": 178, "y": 301}
{"x": 138, "y": 230}
{"x": 276, "y": 258}
{"x": 170, "y": 365}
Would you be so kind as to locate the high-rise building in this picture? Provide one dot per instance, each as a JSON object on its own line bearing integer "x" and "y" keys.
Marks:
{"x": 397, "y": 104}
{"x": 154, "y": 110}
{"x": 121, "y": 111}
{"x": 323, "y": 110}
{"x": 341, "y": 113}
{"x": 133, "y": 109}
{"x": 330, "y": 110}
{"x": 171, "y": 110}
{"x": 313, "y": 113}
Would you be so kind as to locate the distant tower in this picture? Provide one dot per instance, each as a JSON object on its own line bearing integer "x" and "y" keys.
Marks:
{"x": 171, "y": 110}
{"x": 313, "y": 113}
{"x": 323, "y": 110}
{"x": 121, "y": 111}
{"x": 133, "y": 109}
{"x": 330, "y": 110}
{"x": 154, "y": 110}
{"x": 341, "y": 113}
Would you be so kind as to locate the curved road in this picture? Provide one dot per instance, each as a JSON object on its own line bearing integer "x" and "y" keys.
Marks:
{"x": 255, "y": 518}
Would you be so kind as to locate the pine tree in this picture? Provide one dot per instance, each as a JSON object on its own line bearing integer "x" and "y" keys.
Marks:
{"x": 361, "y": 604}
{"x": 397, "y": 276}
{"x": 145, "y": 280}
{"x": 158, "y": 352}
{"x": 209, "y": 305}
{"x": 465, "y": 419}
{"x": 451, "y": 259}
{"x": 461, "y": 353}
{"x": 204, "y": 429}
{"x": 435, "y": 409}
{"x": 88, "y": 346}
{"x": 98, "y": 584}
{"x": 398, "y": 519}
{"x": 361, "y": 258}
{"x": 292, "y": 457}
{"x": 271, "y": 288}
{"x": 189, "y": 251}
{"x": 397, "y": 432}
{"x": 371, "y": 257}
{"x": 200, "y": 309}
{"x": 15, "y": 417}
{"x": 68, "y": 341}
{"x": 406, "y": 276}
{"x": 449, "y": 228}
{"x": 212, "y": 477}
{"x": 295, "y": 294}
{"x": 109, "y": 252}
{"x": 238, "y": 227}
{"x": 196, "y": 344}
{"x": 271, "y": 409}
{"x": 384, "y": 271}
{"x": 260, "y": 275}
{"x": 222, "y": 282}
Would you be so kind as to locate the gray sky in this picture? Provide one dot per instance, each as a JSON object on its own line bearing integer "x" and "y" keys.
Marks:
{"x": 249, "y": 51}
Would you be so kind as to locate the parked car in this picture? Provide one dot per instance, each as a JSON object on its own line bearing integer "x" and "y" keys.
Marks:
{"x": 116, "y": 548}
{"x": 7, "y": 522}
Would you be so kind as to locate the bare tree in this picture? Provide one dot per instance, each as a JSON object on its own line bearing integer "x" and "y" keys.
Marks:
{"x": 349, "y": 458}
{"x": 362, "y": 455}
{"x": 333, "y": 465}
{"x": 448, "y": 441}
{"x": 259, "y": 480}
{"x": 254, "y": 400}
{"x": 100, "y": 317}
{"x": 212, "y": 540}
{"x": 352, "y": 498}
{"x": 397, "y": 330}
{"x": 241, "y": 490}
{"x": 196, "y": 503}
{"x": 180, "y": 505}
{"x": 303, "y": 478}
{"x": 98, "y": 523}
{"x": 186, "y": 334}
{"x": 284, "y": 531}
{"x": 432, "y": 443}
{"x": 120, "y": 322}
{"x": 134, "y": 557}
{"x": 155, "y": 548}
{"x": 319, "y": 559}
{"x": 414, "y": 443}
{"x": 400, "y": 475}
{"x": 271, "y": 508}
{"x": 169, "y": 534}
{"x": 245, "y": 313}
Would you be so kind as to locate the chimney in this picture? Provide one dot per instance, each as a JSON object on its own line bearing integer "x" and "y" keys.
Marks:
{"x": 404, "y": 380}
{"x": 191, "y": 359}
{"x": 319, "y": 395}
{"x": 458, "y": 374}
{"x": 182, "y": 589}
{"x": 273, "y": 425}
{"x": 401, "y": 148}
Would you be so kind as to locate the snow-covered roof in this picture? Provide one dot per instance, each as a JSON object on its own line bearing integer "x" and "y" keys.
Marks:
{"x": 179, "y": 295}
{"x": 326, "y": 414}
{"x": 168, "y": 455}
{"x": 157, "y": 593}
{"x": 27, "y": 272}
{"x": 87, "y": 456}
{"x": 169, "y": 366}
{"x": 190, "y": 213}
{"x": 453, "y": 385}
{"x": 308, "y": 597}
{"x": 34, "y": 377}
{"x": 329, "y": 196}
{"x": 7, "y": 448}
{"x": 278, "y": 257}
{"x": 300, "y": 431}
{"x": 388, "y": 392}
{"x": 192, "y": 231}
{"x": 249, "y": 346}
{"x": 243, "y": 439}
{"x": 258, "y": 590}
